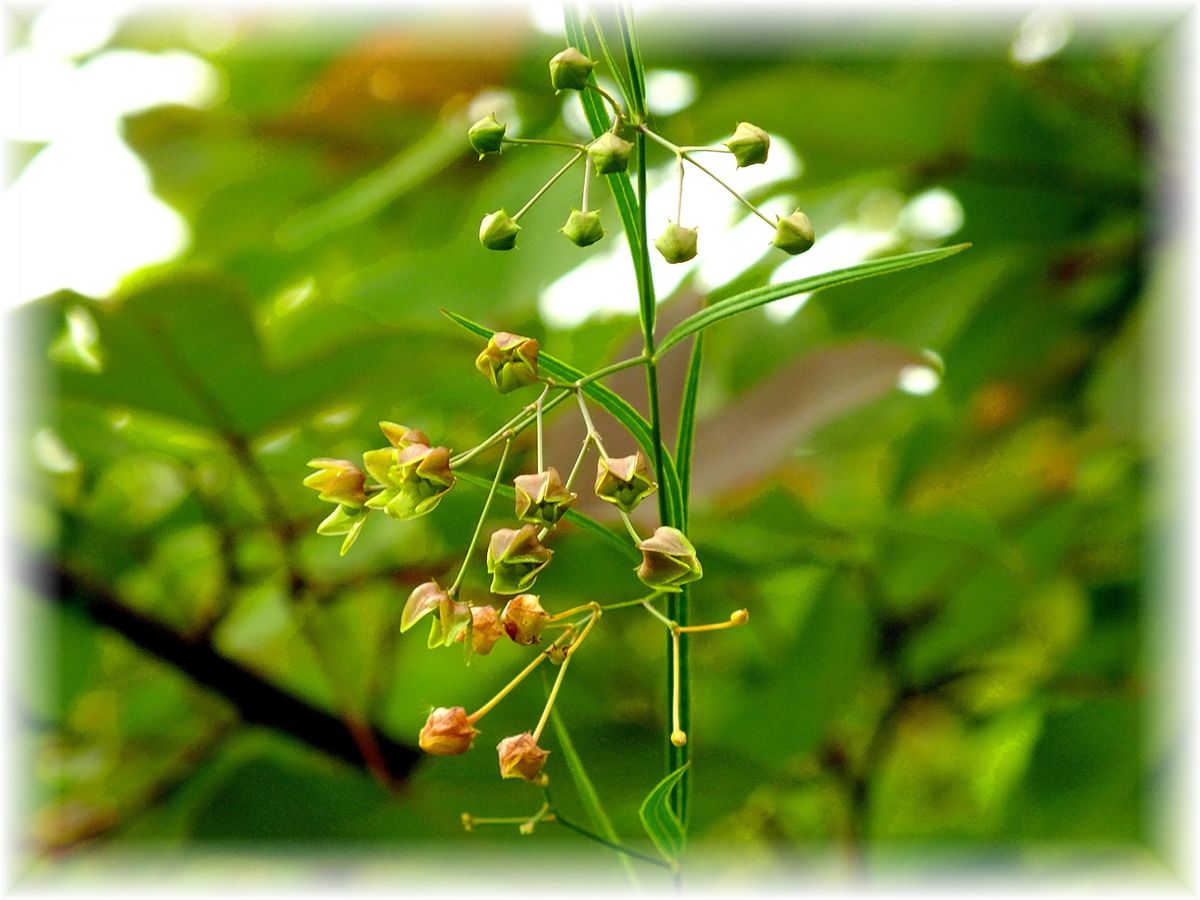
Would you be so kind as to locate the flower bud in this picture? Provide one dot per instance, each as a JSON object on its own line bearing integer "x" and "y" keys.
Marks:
{"x": 425, "y": 598}
{"x": 509, "y": 361}
{"x": 583, "y": 228}
{"x": 414, "y": 479}
{"x": 523, "y": 619}
{"x": 337, "y": 481}
{"x": 569, "y": 70}
{"x": 451, "y": 621}
{"x": 609, "y": 154}
{"x": 451, "y": 624}
{"x": 498, "y": 231}
{"x": 542, "y": 499}
{"x": 521, "y": 757}
{"x": 401, "y": 436}
{"x": 668, "y": 560}
{"x": 485, "y": 629}
{"x": 677, "y": 244}
{"x": 486, "y": 135}
{"x": 514, "y": 559}
{"x": 347, "y": 520}
{"x": 624, "y": 482}
{"x": 749, "y": 144}
{"x": 794, "y": 234}
{"x": 447, "y": 732}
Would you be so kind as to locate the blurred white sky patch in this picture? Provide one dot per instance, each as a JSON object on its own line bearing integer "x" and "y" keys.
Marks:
{"x": 605, "y": 284}
{"x": 81, "y": 214}
{"x": 669, "y": 91}
{"x": 1042, "y": 34}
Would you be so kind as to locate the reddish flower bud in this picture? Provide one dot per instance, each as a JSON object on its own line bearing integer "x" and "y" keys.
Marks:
{"x": 485, "y": 629}
{"x": 401, "y": 436}
{"x": 542, "y": 499}
{"x": 521, "y": 757}
{"x": 414, "y": 479}
{"x": 514, "y": 559}
{"x": 668, "y": 560}
{"x": 447, "y": 732}
{"x": 625, "y": 481}
{"x": 509, "y": 361}
{"x": 523, "y": 619}
{"x": 337, "y": 481}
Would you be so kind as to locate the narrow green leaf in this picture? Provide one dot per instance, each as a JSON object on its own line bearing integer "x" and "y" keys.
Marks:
{"x": 633, "y": 55}
{"x": 616, "y": 405}
{"x": 610, "y": 61}
{"x": 586, "y": 523}
{"x": 687, "y": 427}
{"x": 587, "y": 793}
{"x": 658, "y": 819}
{"x": 750, "y": 299}
{"x": 598, "y": 120}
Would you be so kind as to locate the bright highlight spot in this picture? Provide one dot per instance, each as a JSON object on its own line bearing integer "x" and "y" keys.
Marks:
{"x": 932, "y": 215}
{"x": 918, "y": 380}
{"x": 668, "y": 91}
{"x": 1043, "y": 34}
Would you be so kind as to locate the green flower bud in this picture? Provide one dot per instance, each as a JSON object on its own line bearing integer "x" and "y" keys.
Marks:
{"x": 583, "y": 228}
{"x": 624, "y": 482}
{"x": 514, "y": 559}
{"x": 521, "y": 757}
{"x": 668, "y": 560}
{"x": 794, "y": 234}
{"x": 609, "y": 154}
{"x": 749, "y": 144}
{"x": 523, "y": 619}
{"x": 498, "y": 231}
{"x": 401, "y": 436}
{"x": 413, "y": 479}
{"x": 569, "y": 70}
{"x": 447, "y": 732}
{"x": 344, "y": 520}
{"x": 486, "y": 135}
{"x": 509, "y": 361}
{"x": 337, "y": 481}
{"x": 542, "y": 499}
{"x": 677, "y": 244}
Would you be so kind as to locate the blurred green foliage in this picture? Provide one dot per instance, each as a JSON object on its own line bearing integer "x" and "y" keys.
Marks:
{"x": 948, "y": 593}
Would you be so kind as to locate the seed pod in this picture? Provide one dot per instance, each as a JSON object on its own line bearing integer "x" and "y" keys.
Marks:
{"x": 401, "y": 436}
{"x": 609, "y": 154}
{"x": 447, "y": 732}
{"x": 523, "y": 619}
{"x": 498, "y": 231}
{"x": 486, "y": 135}
{"x": 347, "y": 520}
{"x": 509, "y": 361}
{"x": 337, "y": 481}
{"x": 514, "y": 559}
{"x": 677, "y": 244}
{"x": 668, "y": 560}
{"x": 624, "y": 482}
{"x": 749, "y": 144}
{"x": 583, "y": 228}
{"x": 542, "y": 499}
{"x": 569, "y": 70}
{"x": 414, "y": 479}
{"x": 794, "y": 234}
{"x": 521, "y": 757}
{"x": 485, "y": 629}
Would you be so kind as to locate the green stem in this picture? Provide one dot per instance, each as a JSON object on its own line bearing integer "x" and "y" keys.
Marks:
{"x": 617, "y": 113}
{"x": 612, "y": 845}
{"x": 487, "y": 504}
{"x": 544, "y": 143}
{"x": 615, "y": 367}
{"x": 511, "y": 428}
{"x": 545, "y": 187}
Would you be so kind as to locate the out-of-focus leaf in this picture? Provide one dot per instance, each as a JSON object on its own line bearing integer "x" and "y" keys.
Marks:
{"x": 658, "y": 819}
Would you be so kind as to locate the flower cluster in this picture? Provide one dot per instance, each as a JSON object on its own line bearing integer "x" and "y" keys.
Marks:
{"x": 609, "y": 154}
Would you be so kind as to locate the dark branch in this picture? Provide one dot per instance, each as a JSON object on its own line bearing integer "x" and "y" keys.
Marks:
{"x": 257, "y": 701}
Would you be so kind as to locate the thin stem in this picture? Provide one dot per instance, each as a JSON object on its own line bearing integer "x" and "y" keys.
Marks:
{"x": 591, "y": 427}
{"x": 691, "y": 149}
{"x": 612, "y": 845}
{"x": 618, "y": 113}
{"x": 520, "y": 676}
{"x": 679, "y": 199}
{"x": 637, "y": 538}
{"x": 587, "y": 183}
{"x": 678, "y": 735}
{"x": 741, "y": 617}
{"x": 587, "y": 442}
{"x": 544, "y": 143}
{"x": 654, "y": 612}
{"x": 608, "y": 370}
{"x": 640, "y": 601}
{"x": 541, "y": 444}
{"x": 453, "y": 589}
{"x": 750, "y": 206}
{"x": 509, "y": 429}
{"x": 545, "y": 187}
{"x": 562, "y": 673}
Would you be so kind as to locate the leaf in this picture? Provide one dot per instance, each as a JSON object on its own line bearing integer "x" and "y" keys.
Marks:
{"x": 611, "y": 401}
{"x": 587, "y": 792}
{"x": 658, "y": 820}
{"x": 687, "y": 426}
{"x": 750, "y": 299}
{"x": 588, "y": 524}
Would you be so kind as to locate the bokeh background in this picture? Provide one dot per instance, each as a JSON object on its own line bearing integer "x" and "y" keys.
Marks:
{"x": 228, "y": 234}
